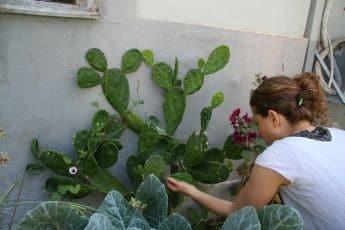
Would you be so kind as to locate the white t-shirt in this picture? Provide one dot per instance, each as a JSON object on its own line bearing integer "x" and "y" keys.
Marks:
{"x": 316, "y": 170}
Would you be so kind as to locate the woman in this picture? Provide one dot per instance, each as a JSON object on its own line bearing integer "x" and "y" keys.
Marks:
{"x": 303, "y": 161}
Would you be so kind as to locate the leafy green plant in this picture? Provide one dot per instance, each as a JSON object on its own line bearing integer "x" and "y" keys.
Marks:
{"x": 148, "y": 210}
{"x": 96, "y": 149}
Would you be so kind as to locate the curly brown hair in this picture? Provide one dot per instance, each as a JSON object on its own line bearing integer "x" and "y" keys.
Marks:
{"x": 298, "y": 98}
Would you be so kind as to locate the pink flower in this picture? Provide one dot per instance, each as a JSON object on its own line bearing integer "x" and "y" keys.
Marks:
{"x": 238, "y": 138}
{"x": 252, "y": 135}
{"x": 247, "y": 119}
{"x": 233, "y": 117}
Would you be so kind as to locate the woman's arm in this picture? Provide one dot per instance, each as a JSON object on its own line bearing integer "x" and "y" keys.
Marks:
{"x": 262, "y": 185}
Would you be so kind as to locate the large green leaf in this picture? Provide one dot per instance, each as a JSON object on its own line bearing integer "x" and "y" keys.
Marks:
{"x": 196, "y": 148}
{"x": 154, "y": 165}
{"x": 215, "y": 154}
{"x": 163, "y": 75}
{"x": 148, "y": 139}
{"x": 88, "y": 77}
{"x": 218, "y": 58}
{"x": 53, "y": 215}
{"x": 131, "y": 61}
{"x": 152, "y": 192}
{"x": 80, "y": 142}
{"x": 232, "y": 150}
{"x": 97, "y": 59}
{"x": 107, "y": 154}
{"x": 118, "y": 210}
{"x": 56, "y": 161}
{"x": 244, "y": 219}
{"x": 193, "y": 81}
{"x": 209, "y": 172}
{"x": 174, "y": 106}
{"x": 116, "y": 89}
{"x": 99, "y": 121}
{"x": 175, "y": 222}
{"x": 279, "y": 217}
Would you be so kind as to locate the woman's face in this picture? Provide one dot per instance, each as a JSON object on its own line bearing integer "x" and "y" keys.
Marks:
{"x": 265, "y": 128}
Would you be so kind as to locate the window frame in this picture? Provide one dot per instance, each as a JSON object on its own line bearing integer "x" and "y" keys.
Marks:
{"x": 86, "y": 9}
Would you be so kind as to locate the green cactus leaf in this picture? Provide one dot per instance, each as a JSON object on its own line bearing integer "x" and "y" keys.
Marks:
{"x": 176, "y": 69}
{"x": 183, "y": 176}
{"x": 154, "y": 165}
{"x": 114, "y": 128}
{"x": 232, "y": 150}
{"x": 97, "y": 59}
{"x": 106, "y": 182}
{"x": 148, "y": 140}
{"x": 174, "y": 107}
{"x": 35, "y": 151}
{"x": 116, "y": 89}
{"x": 99, "y": 121}
{"x": 163, "y": 75}
{"x": 34, "y": 169}
{"x": 196, "y": 148}
{"x": 80, "y": 142}
{"x": 205, "y": 116}
{"x": 217, "y": 99}
{"x": 176, "y": 153}
{"x": 131, "y": 61}
{"x": 88, "y": 77}
{"x": 218, "y": 58}
{"x": 89, "y": 165}
{"x": 209, "y": 172}
{"x": 133, "y": 121}
{"x": 106, "y": 155}
{"x": 201, "y": 64}
{"x": 215, "y": 154}
{"x": 156, "y": 124}
{"x": 193, "y": 81}
{"x": 148, "y": 57}
{"x": 132, "y": 170}
{"x": 177, "y": 83}
{"x": 54, "y": 160}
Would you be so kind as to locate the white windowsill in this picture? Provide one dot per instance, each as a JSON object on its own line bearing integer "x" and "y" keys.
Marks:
{"x": 49, "y": 9}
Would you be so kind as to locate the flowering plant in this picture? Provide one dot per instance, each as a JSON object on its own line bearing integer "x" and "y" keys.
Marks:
{"x": 244, "y": 143}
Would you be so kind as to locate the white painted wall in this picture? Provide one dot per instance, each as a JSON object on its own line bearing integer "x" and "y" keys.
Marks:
{"x": 277, "y": 17}
{"x": 336, "y": 23}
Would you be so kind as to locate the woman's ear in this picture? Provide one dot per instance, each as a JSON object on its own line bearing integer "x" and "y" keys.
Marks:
{"x": 274, "y": 117}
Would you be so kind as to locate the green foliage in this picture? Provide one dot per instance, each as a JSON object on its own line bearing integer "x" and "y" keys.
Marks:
{"x": 267, "y": 217}
{"x": 148, "y": 57}
{"x": 193, "y": 81}
{"x": 174, "y": 107}
{"x": 196, "y": 148}
{"x": 183, "y": 176}
{"x": 218, "y": 58}
{"x": 209, "y": 172}
{"x": 131, "y": 61}
{"x": 163, "y": 75}
{"x": 116, "y": 90}
{"x": 53, "y": 215}
{"x": 96, "y": 58}
{"x": 88, "y": 77}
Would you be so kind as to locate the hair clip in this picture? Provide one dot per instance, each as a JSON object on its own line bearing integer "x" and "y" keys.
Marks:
{"x": 300, "y": 101}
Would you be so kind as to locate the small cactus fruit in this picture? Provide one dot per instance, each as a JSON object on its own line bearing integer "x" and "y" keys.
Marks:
{"x": 148, "y": 57}
{"x": 217, "y": 99}
{"x": 209, "y": 172}
{"x": 96, "y": 58}
{"x": 163, "y": 75}
{"x": 218, "y": 58}
{"x": 196, "y": 148}
{"x": 174, "y": 107}
{"x": 116, "y": 89}
{"x": 131, "y": 61}
{"x": 193, "y": 81}
{"x": 88, "y": 77}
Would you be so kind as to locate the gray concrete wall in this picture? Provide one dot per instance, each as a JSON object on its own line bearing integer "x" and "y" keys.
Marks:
{"x": 39, "y": 97}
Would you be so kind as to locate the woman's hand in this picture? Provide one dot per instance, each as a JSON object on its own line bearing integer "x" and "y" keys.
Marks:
{"x": 179, "y": 186}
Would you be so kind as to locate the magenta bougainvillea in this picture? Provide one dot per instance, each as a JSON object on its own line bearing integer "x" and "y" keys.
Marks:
{"x": 244, "y": 132}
